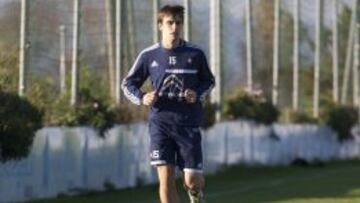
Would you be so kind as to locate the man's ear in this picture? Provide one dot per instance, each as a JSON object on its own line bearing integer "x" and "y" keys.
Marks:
{"x": 160, "y": 26}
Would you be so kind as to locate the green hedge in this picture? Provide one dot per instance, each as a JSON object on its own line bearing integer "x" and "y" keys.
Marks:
{"x": 19, "y": 120}
{"x": 88, "y": 112}
{"x": 301, "y": 117}
{"x": 252, "y": 107}
{"x": 341, "y": 119}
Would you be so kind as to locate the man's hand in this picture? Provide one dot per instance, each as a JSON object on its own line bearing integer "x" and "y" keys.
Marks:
{"x": 149, "y": 98}
{"x": 190, "y": 96}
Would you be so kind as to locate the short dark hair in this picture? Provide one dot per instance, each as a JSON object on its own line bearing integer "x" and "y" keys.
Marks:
{"x": 172, "y": 10}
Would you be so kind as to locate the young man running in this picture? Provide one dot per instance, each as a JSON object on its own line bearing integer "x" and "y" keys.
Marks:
{"x": 181, "y": 80}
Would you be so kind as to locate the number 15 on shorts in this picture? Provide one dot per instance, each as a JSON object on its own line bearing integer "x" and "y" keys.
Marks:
{"x": 155, "y": 154}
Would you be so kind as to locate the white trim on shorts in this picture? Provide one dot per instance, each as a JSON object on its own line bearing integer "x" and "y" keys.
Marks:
{"x": 158, "y": 162}
{"x": 192, "y": 170}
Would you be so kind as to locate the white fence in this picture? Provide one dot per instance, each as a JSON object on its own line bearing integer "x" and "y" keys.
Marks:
{"x": 66, "y": 159}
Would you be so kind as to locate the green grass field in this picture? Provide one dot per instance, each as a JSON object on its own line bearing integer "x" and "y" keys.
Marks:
{"x": 333, "y": 182}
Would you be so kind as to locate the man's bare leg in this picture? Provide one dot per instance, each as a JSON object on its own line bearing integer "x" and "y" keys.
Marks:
{"x": 167, "y": 188}
{"x": 194, "y": 183}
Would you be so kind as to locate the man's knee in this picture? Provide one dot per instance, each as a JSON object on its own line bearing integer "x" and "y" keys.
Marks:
{"x": 194, "y": 181}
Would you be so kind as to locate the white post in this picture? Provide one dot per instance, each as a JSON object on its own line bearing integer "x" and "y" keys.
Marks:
{"x": 248, "y": 46}
{"x": 62, "y": 60}
{"x": 187, "y": 22}
{"x": 110, "y": 45}
{"x": 317, "y": 59}
{"x": 75, "y": 71}
{"x": 215, "y": 56}
{"x": 356, "y": 69}
{"x": 23, "y": 46}
{"x": 276, "y": 54}
{"x": 131, "y": 29}
{"x": 155, "y": 24}
{"x": 118, "y": 58}
{"x": 296, "y": 57}
{"x": 357, "y": 60}
{"x": 335, "y": 52}
{"x": 345, "y": 83}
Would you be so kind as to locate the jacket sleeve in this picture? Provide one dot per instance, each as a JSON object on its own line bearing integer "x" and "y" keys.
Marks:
{"x": 134, "y": 80}
{"x": 206, "y": 78}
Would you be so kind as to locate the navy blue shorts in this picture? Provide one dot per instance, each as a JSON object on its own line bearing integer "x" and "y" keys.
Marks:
{"x": 176, "y": 145}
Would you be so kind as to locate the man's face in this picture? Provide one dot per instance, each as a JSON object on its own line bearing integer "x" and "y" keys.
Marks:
{"x": 171, "y": 27}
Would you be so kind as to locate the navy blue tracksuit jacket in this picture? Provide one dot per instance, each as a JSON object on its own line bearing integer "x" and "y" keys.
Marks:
{"x": 171, "y": 72}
